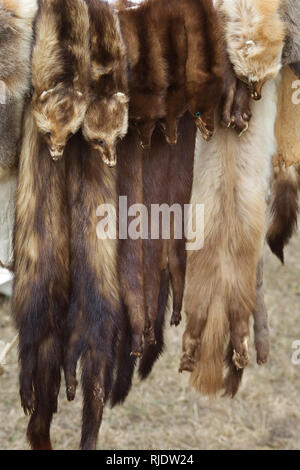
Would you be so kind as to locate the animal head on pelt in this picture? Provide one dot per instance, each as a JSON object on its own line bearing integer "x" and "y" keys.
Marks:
{"x": 60, "y": 71}
{"x": 106, "y": 120}
{"x": 105, "y": 123}
{"x": 254, "y": 35}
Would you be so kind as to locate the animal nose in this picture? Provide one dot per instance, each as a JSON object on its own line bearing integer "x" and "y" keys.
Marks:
{"x": 57, "y": 152}
{"x": 256, "y": 90}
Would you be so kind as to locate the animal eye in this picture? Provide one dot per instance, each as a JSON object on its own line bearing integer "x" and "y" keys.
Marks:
{"x": 100, "y": 142}
{"x": 197, "y": 114}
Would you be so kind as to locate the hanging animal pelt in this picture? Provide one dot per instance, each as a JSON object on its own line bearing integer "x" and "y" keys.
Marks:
{"x": 233, "y": 176}
{"x": 95, "y": 314}
{"x": 106, "y": 121}
{"x": 41, "y": 283}
{"x": 60, "y": 71}
{"x": 160, "y": 35}
{"x": 284, "y": 206}
{"x": 16, "y": 19}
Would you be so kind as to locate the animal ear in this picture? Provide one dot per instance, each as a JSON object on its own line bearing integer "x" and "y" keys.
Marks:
{"x": 121, "y": 97}
{"x": 3, "y": 92}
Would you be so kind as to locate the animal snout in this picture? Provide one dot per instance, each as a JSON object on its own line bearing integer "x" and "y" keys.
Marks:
{"x": 57, "y": 152}
{"x": 256, "y": 90}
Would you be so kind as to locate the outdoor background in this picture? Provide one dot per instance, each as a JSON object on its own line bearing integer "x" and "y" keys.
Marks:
{"x": 164, "y": 413}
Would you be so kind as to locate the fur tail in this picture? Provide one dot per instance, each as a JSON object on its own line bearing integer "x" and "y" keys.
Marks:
{"x": 152, "y": 352}
{"x": 207, "y": 376}
{"x": 284, "y": 210}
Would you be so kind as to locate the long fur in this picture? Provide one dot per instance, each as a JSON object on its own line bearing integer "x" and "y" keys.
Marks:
{"x": 254, "y": 35}
{"x": 106, "y": 120}
{"x": 233, "y": 175}
{"x": 60, "y": 70}
{"x": 94, "y": 311}
{"x": 159, "y": 36}
{"x": 284, "y": 205}
{"x": 41, "y": 283}
{"x": 16, "y": 20}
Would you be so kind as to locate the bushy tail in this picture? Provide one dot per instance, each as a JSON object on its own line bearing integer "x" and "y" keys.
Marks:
{"x": 284, "y": 210}
{"x": 207, "y": 376}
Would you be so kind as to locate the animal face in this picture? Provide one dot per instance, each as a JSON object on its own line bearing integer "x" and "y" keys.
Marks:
{"x": 106, "y": 122}
{"x": 254, "y": 36}
{"x": 59, "y": 114}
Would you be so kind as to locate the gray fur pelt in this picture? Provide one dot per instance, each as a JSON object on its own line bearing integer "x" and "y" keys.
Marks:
{"x": 291, "y": 16}
{"x": 16, "y": 20}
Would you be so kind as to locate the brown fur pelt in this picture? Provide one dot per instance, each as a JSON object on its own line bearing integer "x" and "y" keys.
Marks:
{"x": 284, "y": 206}
{"x": 159, "y": 37}
{"x": 41, "y": 284}
{"x": 94, "y": 315}
{"x": 167, "y": 179}
{"x": 16, "y": 19}
{"x": 60, "y": 71}
{"x": 106, "y": 120}
{"x": 222, "y": 277}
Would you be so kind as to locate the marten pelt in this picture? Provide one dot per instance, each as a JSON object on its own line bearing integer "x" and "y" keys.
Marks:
{"x": 254, "y": 35}
{"x": 16, "y": 19}
{"x": 159, "y": 37}
{"x": 41, "y": 283}
{"x": 106, "y": 120}
{"x": 60, "y": 71}
{"x": 94, "y": 312}
{"x": 222, "y": 277}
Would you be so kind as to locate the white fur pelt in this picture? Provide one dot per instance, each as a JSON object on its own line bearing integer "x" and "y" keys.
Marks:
{"x": 231, "y": 178}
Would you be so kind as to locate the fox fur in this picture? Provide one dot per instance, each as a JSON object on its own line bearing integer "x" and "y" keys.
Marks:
{"x": 16, "y": 35}
{"x": 41, "y": 283}
{"x": 159, "y": 37}
{"x": 106, "y": 120}
{"x": 254, "y": 34}
{"x": 60, "y": 71}
{"x": 233, "y": 178}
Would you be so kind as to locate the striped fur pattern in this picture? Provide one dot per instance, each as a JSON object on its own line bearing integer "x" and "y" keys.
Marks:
{"x": 60, "y": 71}
{"x": 16, "y": 19}
{"x": 106, "y": 120}
{"x": 41, "y": 283}
{"x": 161, "y": 36}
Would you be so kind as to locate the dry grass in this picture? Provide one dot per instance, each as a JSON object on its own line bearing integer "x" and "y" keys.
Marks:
{"x": 163, "y": 413}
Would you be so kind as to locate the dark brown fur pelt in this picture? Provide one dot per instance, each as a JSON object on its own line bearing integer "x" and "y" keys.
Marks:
{"x": 16, "y": 19}
{"x": 284, "y": 209}
{"x": 41, "y": 284}
{"x": 130, "y": 252}
{"x": 106, "y": 120}
{"x": 60, "y": 70}
{"x": 168, "y": 179}
{"x": 94, "y": 316}
{"x": 161, "y": 36}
